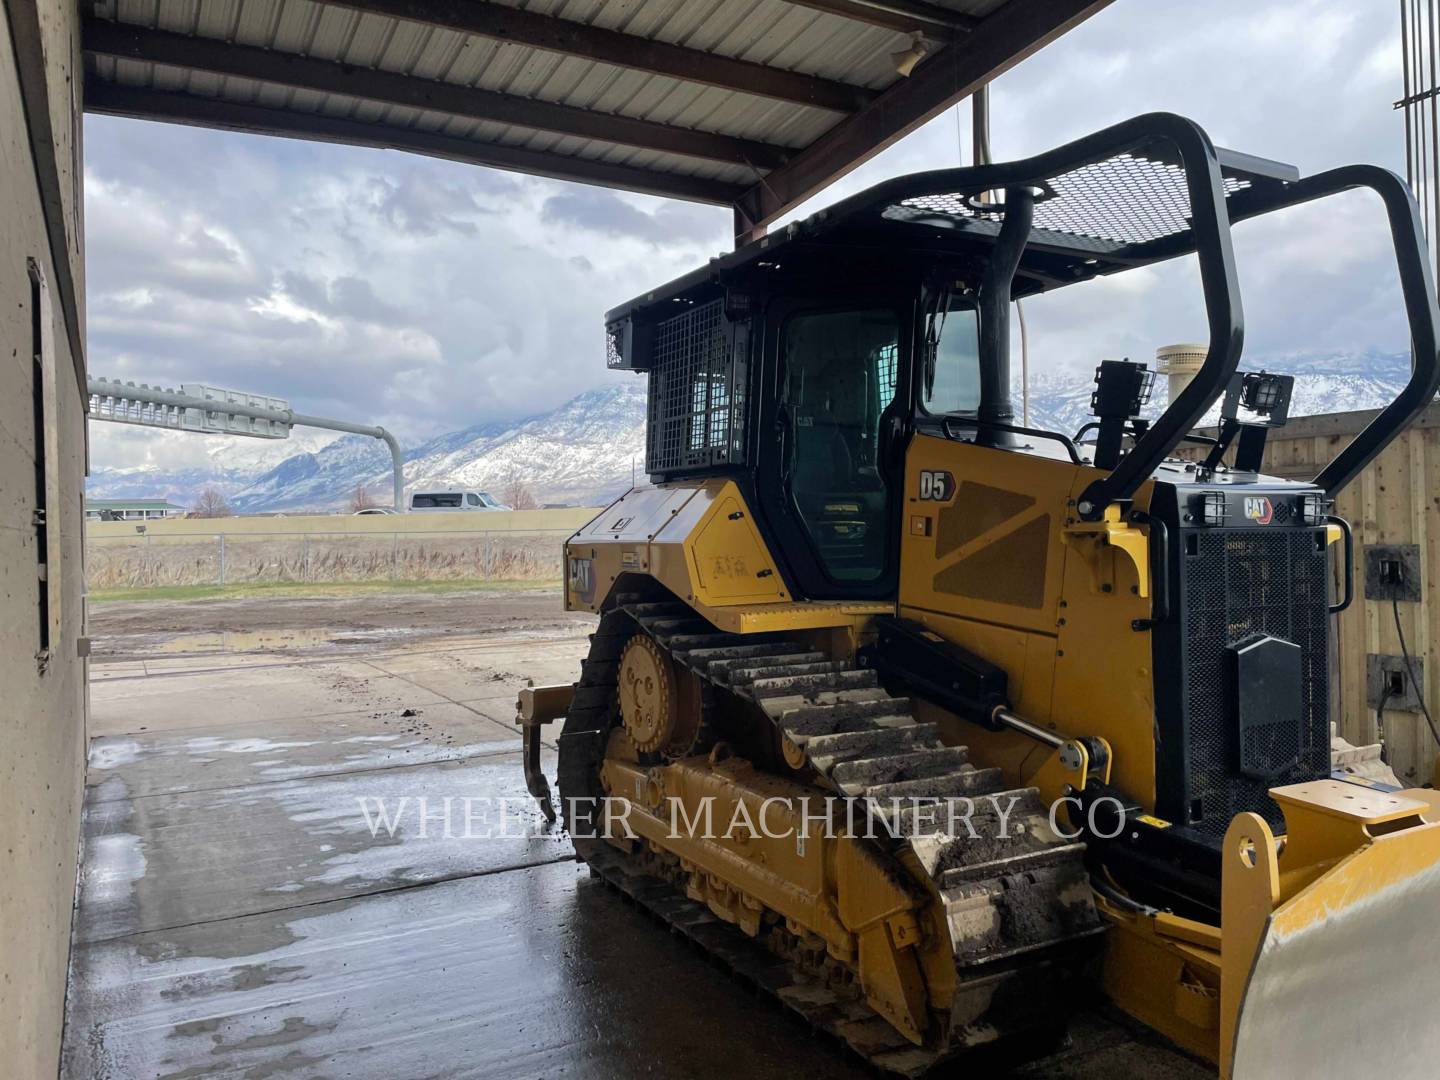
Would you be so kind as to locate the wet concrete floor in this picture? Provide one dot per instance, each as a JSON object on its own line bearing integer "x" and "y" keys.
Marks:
{"x": 239, "y": 915}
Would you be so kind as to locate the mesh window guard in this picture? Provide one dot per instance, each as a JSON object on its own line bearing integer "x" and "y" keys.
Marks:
{"x": 696, "y": 413}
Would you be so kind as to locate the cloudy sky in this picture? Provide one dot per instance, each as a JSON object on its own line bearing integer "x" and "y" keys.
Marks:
{"x": 428, "y": 296}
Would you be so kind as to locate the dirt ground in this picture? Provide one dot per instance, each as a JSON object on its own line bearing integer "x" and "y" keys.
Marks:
{"x": 128, "y": 629}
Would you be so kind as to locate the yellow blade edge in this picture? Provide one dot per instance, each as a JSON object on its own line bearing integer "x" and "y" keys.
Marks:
{"x": 1334, "y": 964}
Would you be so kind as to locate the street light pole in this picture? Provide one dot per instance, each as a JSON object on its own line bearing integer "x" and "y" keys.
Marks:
{"x": 110, "y": 401}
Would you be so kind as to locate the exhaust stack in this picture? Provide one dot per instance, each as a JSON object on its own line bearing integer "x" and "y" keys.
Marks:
{"x": 1180, "y": 363}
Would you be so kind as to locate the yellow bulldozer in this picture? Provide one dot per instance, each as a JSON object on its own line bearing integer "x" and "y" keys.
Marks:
{"x": 929, "y": 723}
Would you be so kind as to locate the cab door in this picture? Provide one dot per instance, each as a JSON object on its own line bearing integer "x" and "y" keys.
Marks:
{"x": 838, "y": 409}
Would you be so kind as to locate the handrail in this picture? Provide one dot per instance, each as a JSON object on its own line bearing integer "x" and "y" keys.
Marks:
{"x": 1159, "y": 570}
{"x": 1014, "y": 429}
{"x": 1348, "y": 555}
{"x": 1210, "y": 228}
{"x": 1417, "y": 287}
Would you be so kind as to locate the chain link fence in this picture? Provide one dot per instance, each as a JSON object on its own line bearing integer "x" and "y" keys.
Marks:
{"x": 235, "y": 559}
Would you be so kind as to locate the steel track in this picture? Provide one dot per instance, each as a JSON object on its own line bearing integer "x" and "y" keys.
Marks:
{"x": 1018, "y": 908}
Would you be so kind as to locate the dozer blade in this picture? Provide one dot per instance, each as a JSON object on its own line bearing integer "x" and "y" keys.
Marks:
{"x": 1332, "y": 946}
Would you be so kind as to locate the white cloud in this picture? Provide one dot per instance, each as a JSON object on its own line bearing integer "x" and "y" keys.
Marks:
{"x": 428, "y": 296}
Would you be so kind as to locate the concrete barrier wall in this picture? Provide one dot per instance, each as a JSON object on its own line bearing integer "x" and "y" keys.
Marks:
{"x": 42, "y": 689}
{"x": 362, "y": 524}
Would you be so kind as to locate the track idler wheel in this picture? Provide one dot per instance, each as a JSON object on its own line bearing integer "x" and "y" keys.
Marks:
{"x": 659, "y": 703}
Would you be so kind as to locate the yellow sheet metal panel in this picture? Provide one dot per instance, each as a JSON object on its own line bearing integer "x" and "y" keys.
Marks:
{"x": 697, "y": 538}
{"x": 618, "y": 542}
{"x": 1169, "y": 984}
{"x": 729, "y": 563}
{"x": 994, "y": 565}
{"x": 791, "y": 616}
{"x": 1104, "y": 677}
{"x": 983, "y": 536}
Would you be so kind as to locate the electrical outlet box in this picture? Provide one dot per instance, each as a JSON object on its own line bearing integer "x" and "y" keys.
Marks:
{"x": 1384, "y": 673}
{"x": 1392, "y": 571}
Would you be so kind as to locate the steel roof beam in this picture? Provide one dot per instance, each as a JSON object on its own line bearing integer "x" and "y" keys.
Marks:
{"x": 144, "y": 103}
{"x": 997, "y": 44}
{"x": 389, "y": 88}
{"x": 905, "y": 16}
{"x": 570, "y": 38}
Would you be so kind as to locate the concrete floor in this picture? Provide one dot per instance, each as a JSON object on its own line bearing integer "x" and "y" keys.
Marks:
{"x": 237, "y": 918}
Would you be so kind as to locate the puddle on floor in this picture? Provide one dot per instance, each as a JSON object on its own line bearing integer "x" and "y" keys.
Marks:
{"x": 259, "y": 641}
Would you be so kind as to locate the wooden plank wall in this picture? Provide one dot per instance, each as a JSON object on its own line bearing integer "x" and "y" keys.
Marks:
{"x": 1395, "y": 501}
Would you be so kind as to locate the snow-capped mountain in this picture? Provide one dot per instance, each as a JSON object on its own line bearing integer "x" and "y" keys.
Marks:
{"x": 1060, "y": 401}
{"x": 323, "y": 480}
{"x": 588, "y": 450}
{"x": 580, "y": 454}
{"x": 232, "y": 464}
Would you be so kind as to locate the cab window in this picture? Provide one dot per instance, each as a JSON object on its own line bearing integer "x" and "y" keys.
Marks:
{"x": 951, "y": 382}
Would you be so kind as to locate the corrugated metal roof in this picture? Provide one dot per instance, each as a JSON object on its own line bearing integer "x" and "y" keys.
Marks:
{"x": 753, "y": 131}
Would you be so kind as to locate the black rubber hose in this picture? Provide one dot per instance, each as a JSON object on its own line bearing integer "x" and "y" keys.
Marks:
{"x": 1380, "y": 725}
{"x": 1410, "y": 670}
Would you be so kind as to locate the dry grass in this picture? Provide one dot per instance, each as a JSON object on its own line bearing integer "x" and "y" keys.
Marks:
{"x": 114, "y": 565}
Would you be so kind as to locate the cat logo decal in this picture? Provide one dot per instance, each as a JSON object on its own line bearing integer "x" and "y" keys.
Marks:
{"x": 1258, "y": 509}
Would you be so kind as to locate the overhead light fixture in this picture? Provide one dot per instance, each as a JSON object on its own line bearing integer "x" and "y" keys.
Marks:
{"x": 906, "y": 59}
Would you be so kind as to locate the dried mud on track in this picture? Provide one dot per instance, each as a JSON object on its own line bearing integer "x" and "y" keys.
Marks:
{"x": 134, "y": 628}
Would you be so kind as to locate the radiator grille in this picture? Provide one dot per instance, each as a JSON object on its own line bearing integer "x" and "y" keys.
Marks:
{"x": 696, "y": 414}
{"x": 1239, "y": 583}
